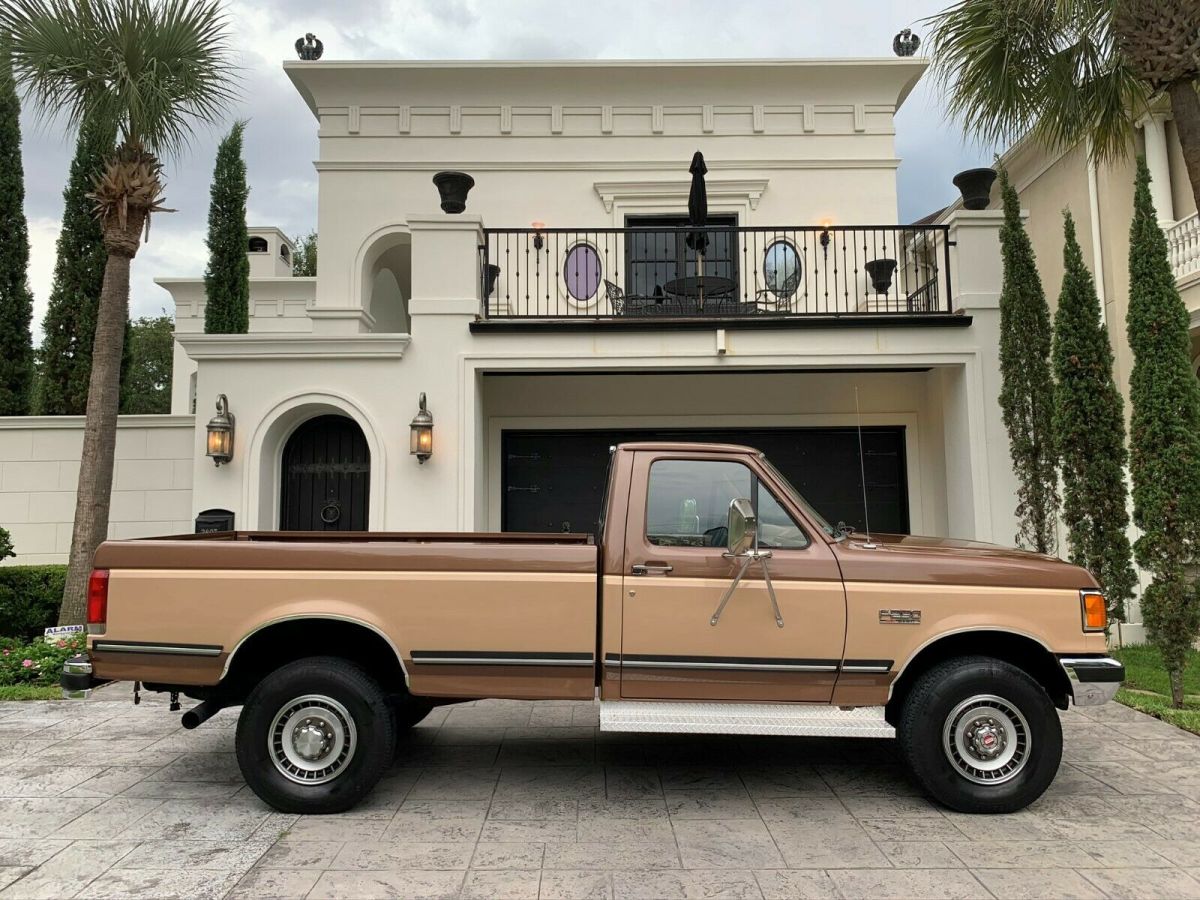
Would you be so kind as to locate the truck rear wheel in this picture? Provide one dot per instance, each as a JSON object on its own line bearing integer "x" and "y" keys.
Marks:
{"x": 980, "y": 735}
{"x": 315, "y": 736}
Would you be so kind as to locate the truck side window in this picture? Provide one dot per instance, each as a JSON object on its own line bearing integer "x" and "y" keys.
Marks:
{"x": 687, "y": 502}
{"x": 777, "y": 530}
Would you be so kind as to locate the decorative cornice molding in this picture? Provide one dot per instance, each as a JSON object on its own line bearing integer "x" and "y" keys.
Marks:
{"x": 526, "y": 120}
{"x": 610, "y": 192}
{"x": 294, "y": 346}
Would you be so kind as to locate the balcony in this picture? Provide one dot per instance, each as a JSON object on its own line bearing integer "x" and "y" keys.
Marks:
{"x": 643, "y": 275}
{"x": 1183, "y": 247}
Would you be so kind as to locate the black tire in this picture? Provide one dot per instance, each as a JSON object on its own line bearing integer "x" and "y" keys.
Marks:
{"x": 977, "y": 698}
{"x": 340, "y": 706}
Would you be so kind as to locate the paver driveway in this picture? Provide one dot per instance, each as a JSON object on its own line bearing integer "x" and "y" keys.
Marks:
{"x": 510, "y": 799}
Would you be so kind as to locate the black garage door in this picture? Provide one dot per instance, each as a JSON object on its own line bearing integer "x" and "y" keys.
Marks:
{"x": 554, "y": 480}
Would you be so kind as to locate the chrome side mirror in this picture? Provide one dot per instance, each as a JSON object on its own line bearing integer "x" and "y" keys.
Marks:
{"x": 742, "y": 528}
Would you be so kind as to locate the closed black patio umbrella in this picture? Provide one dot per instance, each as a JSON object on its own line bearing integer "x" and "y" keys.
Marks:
{"x": 698, "y": 217}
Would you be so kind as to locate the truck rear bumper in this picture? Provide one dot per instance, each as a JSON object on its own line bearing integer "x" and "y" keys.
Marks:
{"x": 76, "y": 679}
{"x": 1094, "y": 679}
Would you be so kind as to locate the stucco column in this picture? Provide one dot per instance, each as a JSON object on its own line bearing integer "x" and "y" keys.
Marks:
{"x": 1158, "y": 161}
{"x": 979, "y": 474}
{"x": 444, "y": 302}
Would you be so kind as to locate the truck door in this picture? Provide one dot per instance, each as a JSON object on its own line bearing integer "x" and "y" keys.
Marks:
{"x": 676, "y": 572}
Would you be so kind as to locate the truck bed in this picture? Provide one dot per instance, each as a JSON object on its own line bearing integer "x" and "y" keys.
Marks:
{"x": 466, "y": 614}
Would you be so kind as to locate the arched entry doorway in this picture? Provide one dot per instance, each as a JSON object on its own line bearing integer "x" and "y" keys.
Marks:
{"x": 326, "y": 481}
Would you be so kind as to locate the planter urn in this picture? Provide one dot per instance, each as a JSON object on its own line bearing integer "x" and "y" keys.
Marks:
{"x": 975, "y": 185}
{"x": 881, "y": 271}
{"x": 453, "y": 188}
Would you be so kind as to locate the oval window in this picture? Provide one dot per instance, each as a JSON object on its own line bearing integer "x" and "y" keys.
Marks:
{"x": 582, "y": 272}
{"x": 781, "y": 269}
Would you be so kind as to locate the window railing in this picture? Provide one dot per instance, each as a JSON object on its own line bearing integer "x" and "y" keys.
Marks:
{"x": 720, "y": 271}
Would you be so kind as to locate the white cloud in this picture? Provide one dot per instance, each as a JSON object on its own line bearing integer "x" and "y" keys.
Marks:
{"x": 43, "y": 235}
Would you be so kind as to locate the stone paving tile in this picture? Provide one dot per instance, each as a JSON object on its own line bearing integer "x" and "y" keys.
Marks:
{"x": 275, "y": 884}
{"x": 210, "y": 855}
{"x": 410, "y": 883}
{"x": 69, "y": 871}
{"x": 902, "y": 884}
{"x": 502, "y": 885}
{"x": 782, "y": 884}
{"x": 1150, "y": 884}
{"x": 667, "y": 885}
{"x": 730, "y": 844}
{"x": 161, "y": 884}
{"x": 568, "y": 885}
{"x": 32, "y": 817}
{"x": 512, "y": 799}
{"x": 1039, "y": 884}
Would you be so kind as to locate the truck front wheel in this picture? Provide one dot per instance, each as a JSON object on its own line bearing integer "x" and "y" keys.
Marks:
{"x": 980, "y": 735}
{"x": 315, "y": 736}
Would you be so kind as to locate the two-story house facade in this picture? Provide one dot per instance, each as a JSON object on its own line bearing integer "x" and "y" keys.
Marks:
{"x": 566, "y": 309}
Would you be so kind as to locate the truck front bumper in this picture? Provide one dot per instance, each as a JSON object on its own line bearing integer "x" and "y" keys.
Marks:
{"x": 1094, "y": 679}
{"x": 76, "y": 679}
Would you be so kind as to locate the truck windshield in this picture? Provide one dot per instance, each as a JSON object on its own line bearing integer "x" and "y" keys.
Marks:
{"x": 801, "y": 502}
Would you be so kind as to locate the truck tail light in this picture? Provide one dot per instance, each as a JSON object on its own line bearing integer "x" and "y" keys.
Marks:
{"x": 1095, "y": 610}
{"x": 97, "y": 601}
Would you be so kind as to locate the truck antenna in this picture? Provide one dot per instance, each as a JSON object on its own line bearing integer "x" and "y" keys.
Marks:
{"x": 862, "y": 469}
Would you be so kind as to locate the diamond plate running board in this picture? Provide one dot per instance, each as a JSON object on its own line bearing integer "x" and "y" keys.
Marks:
{"x": 744, "y": 718}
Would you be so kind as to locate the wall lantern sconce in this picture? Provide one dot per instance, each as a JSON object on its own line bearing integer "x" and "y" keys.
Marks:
{"x": 539, "y": 240}
{"x": 220, "y": 433}
{"x": 826, "y": 224}
{"x": 420, "y": 442}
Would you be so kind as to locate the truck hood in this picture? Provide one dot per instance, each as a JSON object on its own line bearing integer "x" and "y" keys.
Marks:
{"x": 932, "y": 560}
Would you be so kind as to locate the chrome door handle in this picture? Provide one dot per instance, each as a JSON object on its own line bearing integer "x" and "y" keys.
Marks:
{"x": 651, "y": 569}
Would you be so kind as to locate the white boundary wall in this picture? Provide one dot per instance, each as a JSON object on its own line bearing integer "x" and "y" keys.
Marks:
{"x": 39, "y": 471}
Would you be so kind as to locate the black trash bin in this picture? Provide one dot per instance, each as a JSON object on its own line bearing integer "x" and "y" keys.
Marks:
{"x": 211, "y": 520}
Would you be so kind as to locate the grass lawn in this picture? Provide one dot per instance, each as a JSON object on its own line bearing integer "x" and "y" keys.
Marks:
{"x": 30, "y": 692}
{"x": 1146, "y": 686}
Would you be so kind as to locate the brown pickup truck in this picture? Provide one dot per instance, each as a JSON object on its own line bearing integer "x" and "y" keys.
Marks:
{"x": 714, "y": 599}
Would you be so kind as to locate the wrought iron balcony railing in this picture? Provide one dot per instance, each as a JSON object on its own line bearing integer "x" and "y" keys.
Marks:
{"x": 719, "y": 272}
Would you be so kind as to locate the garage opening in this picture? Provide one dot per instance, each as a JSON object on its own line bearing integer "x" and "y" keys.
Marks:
{"x": 554, "y": 480}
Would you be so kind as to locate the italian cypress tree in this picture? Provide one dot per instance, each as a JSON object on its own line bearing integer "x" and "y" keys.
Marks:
{"x": 1164, "y": 439}
{"x": 1089, "y": 428}
{"x": 69, "y": 325}
{"x": 227, "y": 279}
{"x": 16, "y": 301}
{"x": 1027, "y": 389}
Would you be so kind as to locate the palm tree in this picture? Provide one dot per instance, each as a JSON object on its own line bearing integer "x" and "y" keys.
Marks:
{"x": 156, "y": 70}
{"x": 1065, "y": 71}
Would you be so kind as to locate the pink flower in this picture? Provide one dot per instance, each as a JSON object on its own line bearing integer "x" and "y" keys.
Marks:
{"x": 62, "y": 643}
{"x": 27, "y": 663}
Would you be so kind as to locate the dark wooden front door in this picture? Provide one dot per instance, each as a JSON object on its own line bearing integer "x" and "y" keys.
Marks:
{"x": 326, "y": 477}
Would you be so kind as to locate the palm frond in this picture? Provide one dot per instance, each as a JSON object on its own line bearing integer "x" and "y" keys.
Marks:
{"x": 156, "y": 68}
{"x": 1049, "y": 68}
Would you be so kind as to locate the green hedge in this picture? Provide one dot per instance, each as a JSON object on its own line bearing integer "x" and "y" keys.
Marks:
{"x": 29, "y": 599}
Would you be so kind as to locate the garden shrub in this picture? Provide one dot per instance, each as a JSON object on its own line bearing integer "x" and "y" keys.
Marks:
{"x": 29, "y": 599}
{"x": 36, "y": 662}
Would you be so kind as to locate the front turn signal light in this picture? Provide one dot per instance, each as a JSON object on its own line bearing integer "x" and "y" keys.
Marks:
{"x": 1095, "y": 610}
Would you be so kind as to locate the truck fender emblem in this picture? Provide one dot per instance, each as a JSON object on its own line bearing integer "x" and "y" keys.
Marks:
{"x": 899, "y": 617}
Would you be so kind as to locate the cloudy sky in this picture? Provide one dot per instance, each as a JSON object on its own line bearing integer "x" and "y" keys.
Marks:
{"x": 281, "y": 137}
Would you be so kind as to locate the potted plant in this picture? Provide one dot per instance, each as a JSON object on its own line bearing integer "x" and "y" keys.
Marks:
{"x": 881, "y": 271}
{"x": 453, "y": 188}
{"x": 975, "y": 185}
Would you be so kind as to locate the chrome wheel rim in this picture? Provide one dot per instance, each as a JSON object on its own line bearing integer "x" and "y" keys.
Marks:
{"x": 312, "y": 739}
{"x": 986, "y": 739}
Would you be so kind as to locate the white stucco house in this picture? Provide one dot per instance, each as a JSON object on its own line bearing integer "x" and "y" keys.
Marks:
{"x": 539, "y": 345}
